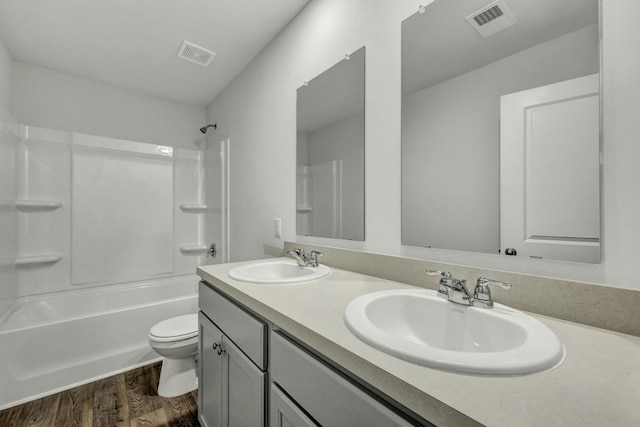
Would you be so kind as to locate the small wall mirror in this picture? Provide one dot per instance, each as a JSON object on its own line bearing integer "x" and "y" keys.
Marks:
{"x": 330, "y": 152}
{"x": 501, "y": 128}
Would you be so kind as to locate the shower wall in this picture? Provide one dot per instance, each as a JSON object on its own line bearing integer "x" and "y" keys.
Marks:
{"x": 95, "y": 211}
{"x": 8, "y": 213}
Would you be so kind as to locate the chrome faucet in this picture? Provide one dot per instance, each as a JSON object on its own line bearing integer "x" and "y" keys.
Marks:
{"x": 313, "y": 258}
{"x": 299, "y": 255}
{"x": 455, "y": 290}
{"x": 304, "y": 260}
{"x": 482, "y": 293}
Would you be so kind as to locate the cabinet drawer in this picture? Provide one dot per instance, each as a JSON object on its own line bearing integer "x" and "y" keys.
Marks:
{"x": 247, "y": 332}
{"x": 328, "y": 397}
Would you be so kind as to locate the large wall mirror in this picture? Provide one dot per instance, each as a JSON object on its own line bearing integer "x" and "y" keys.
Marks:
{"x": 330, "y": 152}
{"x": 501, "y": 128}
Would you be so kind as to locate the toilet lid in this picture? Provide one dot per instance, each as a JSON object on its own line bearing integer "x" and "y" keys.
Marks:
{"x": 176, "y": 328}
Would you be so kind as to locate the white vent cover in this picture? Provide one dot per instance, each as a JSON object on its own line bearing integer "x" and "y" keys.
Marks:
{"x": 492, "y": 19}
{"x": 196, "y": 54}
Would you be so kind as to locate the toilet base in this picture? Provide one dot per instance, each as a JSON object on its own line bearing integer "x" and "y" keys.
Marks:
{"x": 177, "y": 377}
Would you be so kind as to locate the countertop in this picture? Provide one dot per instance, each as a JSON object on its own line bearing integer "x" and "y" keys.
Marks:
{"x": 598, "y": 383}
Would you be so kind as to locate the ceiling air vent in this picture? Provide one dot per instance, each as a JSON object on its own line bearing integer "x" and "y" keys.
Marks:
{"x": 197, "y": 54}
{"x": 492, "y": 19}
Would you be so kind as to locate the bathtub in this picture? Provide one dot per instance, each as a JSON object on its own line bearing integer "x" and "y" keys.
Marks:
{"x": 58, "y": 341}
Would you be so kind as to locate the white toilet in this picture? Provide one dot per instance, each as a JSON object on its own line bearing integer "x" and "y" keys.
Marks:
{"x": 177, "y": 340}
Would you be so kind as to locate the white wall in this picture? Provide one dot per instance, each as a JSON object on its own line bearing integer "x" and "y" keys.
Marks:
{"x": 46, "y": 98}
{"x": 258, "y": 109}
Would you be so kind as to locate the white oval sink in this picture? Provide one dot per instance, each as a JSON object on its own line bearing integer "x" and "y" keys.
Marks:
{"x": 420, "y": 327}
{"x": 278, "y": 272}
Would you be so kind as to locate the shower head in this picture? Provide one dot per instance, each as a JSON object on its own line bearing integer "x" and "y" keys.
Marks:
{"x": 204, "y": 129}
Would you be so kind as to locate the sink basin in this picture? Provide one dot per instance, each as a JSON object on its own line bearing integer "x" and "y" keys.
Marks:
{"x": 278, "y": 272}
{"x": 423, "y": 328}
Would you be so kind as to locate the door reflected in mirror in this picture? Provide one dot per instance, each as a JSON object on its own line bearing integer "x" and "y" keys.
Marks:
{"x": 330, "y": 152}
{"x": 455, "y": 192}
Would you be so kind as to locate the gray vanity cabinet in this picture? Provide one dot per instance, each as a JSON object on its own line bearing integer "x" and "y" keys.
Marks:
{"x": 285, "y": 413}
{"x": 321, "y": 395}
{"x": 232, "y": 364}
{"x": 297, "y": 390}
{"x": 209, "y": 374}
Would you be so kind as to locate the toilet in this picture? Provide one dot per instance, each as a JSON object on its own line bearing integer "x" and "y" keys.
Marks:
{"x": 177, "y": 340}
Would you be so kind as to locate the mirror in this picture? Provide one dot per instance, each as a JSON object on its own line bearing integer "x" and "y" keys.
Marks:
{"x": 462, "y": 61}
{"x": 330, "y": 152}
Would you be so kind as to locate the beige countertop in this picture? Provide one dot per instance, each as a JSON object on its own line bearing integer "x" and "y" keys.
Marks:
{"x": 598, "y": 383}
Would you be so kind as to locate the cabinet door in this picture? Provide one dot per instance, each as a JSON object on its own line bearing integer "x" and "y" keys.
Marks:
{"x": 245, "y": 388}
{"x": 211, "y": 378}
{"x": 285, "y": 413}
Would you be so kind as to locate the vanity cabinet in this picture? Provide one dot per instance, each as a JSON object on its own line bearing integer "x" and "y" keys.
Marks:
{"x": 284, "y": 411}
{"x": 231, "y": 364}
{"x": 297, "y": 390}
{"x": 306, "y": 392}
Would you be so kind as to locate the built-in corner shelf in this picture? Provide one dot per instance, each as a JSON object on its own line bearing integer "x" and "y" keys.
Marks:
{"x": 193, "y": 249}
{"x": 38, "y": 205}
{"x": 303, "y": 209}
{"x": 192, "y": 207}
{"x": 33, "y": 260}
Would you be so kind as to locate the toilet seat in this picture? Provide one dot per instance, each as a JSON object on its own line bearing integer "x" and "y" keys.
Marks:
{"x": 175, "y": 329}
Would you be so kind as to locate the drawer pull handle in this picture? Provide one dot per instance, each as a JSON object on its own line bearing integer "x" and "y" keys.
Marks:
{"x": 221, "y": 350}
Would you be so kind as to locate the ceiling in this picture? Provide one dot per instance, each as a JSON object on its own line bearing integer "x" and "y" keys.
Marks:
{"x": 134, "y": 43}
{"x": 442, "y": 32}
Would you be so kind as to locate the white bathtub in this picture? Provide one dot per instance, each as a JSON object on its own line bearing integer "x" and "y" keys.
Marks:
{"x": 58, "y": 341}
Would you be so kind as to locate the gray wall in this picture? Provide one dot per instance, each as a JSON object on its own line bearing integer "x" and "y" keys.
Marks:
{"x": 46, "y": 98}
{"x": 342, "y": 141}
{"x": 5, "y": 78}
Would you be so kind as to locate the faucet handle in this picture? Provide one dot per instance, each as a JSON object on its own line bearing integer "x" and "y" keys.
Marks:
{"x": 313, "y": 258}
{"x": 445, "y": 282}
{"x": 438, "y": 273}
{"x": 482, "y": 293}
{"x": 299, "y": 255}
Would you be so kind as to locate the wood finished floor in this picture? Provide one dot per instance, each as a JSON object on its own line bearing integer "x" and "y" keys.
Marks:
{"x": 125, "y": 400}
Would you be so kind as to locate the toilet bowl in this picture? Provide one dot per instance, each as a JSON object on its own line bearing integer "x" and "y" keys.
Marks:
{"x": 177, "y": 340}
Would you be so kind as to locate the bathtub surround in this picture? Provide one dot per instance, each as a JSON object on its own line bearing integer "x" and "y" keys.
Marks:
{"x": 102, "y": 195}
{"x": 603, "y": 307}
{"x": 8, "y": 211}
{"x": 107, "y": 242}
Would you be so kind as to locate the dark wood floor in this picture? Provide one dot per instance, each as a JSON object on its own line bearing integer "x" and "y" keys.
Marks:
{"x": 128, "y": 400}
